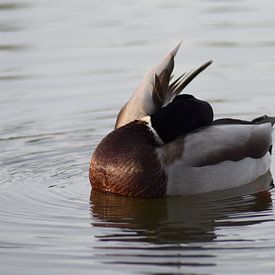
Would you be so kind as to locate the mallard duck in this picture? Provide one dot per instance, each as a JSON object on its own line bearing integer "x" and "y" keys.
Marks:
{"x": 167, "y": 144}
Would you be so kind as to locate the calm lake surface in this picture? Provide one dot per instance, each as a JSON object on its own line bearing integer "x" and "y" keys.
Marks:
{"x": 66, "y": 68}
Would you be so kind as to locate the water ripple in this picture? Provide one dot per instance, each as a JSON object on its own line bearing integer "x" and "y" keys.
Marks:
{"x": 170, "y": 232}
{"x": 66, "y": 69}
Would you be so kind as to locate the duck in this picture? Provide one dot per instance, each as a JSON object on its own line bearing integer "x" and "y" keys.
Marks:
{"x": 165, "y": 143}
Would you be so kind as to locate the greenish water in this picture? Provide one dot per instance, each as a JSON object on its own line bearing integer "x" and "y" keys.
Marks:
{"x": 66, "y": 68}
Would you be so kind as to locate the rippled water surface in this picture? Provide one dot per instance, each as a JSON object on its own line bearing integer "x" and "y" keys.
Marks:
{"x": 66, "y": 67}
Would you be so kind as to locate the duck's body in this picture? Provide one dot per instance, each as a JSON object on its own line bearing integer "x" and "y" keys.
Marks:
{"x": 218, "y": 157}
{"x": 161, "y": 149}
{"x": 130, "y": 161}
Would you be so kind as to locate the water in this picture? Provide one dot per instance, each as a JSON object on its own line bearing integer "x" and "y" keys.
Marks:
{"x": 66, "y": 67}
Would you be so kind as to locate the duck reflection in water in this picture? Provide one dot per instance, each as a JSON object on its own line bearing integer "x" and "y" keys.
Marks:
{"x": 177, "y": 220}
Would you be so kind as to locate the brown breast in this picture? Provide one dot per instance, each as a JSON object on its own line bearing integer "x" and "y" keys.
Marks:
{"x": 125, "y": 163}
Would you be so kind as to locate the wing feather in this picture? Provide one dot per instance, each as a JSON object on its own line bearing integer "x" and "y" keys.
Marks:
{"x": 154, "y": 91}
{"x": 216, "y": 144}
{"x": 217, "y": 157}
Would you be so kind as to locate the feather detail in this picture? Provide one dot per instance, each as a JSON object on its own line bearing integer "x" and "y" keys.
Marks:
{"x": 155, "y": 90}
{"x": 216, "y": 157}
{"x": 225, "y": 175}
{"x": 181, "y": 82}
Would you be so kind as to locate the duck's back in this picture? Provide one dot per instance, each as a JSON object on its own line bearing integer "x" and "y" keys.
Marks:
{"x": 125, "y": 163}
{"x": 216, "y": 157}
